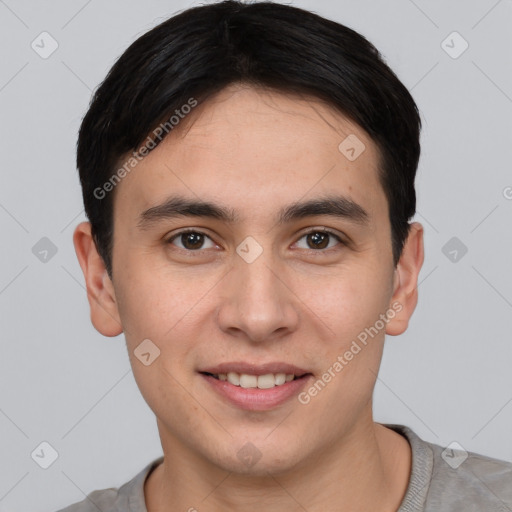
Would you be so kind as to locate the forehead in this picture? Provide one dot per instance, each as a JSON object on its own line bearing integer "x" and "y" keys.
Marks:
{"x": 255, "y": 148}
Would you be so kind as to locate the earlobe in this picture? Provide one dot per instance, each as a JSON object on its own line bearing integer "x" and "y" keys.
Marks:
{"x": 405, "y": 284}
{"x": 100, "y": 290}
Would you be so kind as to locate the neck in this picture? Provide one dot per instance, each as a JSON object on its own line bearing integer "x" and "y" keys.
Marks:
{"x": 368, "y": 470}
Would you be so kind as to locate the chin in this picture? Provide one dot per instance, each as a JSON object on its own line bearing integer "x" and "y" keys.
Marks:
{"x": 259, "y": 459}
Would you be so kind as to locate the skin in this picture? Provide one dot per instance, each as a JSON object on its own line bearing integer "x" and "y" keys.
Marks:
{"x": 256, "y": 151}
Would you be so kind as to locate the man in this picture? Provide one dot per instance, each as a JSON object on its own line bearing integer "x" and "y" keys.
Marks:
{"x": 248, "y": 173}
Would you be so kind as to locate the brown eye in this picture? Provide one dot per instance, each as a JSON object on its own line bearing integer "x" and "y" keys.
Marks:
{"x": 318, "y": 240}
{"x": 321, "y": 239}
{"x": 190, "y": 240}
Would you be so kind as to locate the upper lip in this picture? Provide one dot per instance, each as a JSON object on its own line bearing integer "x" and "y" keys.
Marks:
{"x": 255, "y": 369}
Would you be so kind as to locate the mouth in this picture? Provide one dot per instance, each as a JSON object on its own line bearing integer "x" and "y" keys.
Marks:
{"x": 256, "y": 387}
{"x": 248, "y": 381}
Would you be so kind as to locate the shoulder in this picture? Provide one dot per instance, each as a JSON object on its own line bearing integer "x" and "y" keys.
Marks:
{"x": 452, "y": 478}
{"x": 128, "y": 497}
{"x": 102, "y": 499}
{"x": 470, "y": 480}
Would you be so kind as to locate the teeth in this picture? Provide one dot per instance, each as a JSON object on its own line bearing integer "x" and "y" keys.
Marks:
{"x": 234, "y": 378}
{"x": 281, "y": 378}
{"x": 266, "y": 381}
{"x": 248, "y": 381}
{"x": 254, "y": 381}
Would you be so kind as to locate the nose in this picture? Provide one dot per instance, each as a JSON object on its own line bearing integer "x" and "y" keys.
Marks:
{"x": 258, "y": 303}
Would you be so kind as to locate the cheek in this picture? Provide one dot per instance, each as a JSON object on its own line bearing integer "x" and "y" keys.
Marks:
{"x": 350, "y": 301}
{"x": 351, "y": 307}
{"x": 161, "y": 310}
{"x": 169, "y": 311}
{"x": 169, "y": 394}
{"x": 154, "y": 304}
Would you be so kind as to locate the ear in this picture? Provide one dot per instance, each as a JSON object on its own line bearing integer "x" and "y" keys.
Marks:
{"x": 100, "y": 290}
{"x": 405, "y": 287}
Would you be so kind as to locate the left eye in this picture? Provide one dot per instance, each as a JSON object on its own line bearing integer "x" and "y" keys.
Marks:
{"x": 320, "y": 239}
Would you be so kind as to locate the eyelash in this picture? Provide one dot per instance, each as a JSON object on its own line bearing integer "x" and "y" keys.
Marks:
{"x": 314, "y": 230}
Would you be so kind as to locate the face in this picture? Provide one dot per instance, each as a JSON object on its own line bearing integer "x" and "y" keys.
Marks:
{"x": 286, "y": 271}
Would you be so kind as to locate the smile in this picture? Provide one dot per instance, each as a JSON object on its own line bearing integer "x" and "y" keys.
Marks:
{"x": 244, "y": 380}
{"x": 256, "y": 388}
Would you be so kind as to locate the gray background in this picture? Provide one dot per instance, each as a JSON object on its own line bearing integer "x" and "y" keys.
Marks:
{"x": 448, "y": 377}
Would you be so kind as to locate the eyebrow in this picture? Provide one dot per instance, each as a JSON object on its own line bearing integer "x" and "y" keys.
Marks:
{"x": 177, "y": 206}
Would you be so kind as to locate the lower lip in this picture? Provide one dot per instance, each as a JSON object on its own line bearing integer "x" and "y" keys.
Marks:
{"x": 255, "y": 399}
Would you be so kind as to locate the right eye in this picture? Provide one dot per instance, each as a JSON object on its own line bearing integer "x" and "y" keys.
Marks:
{"x": 190, "y": 240}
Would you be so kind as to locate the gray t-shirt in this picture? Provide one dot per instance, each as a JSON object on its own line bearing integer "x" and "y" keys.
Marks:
{"x": 441, "y": 480}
